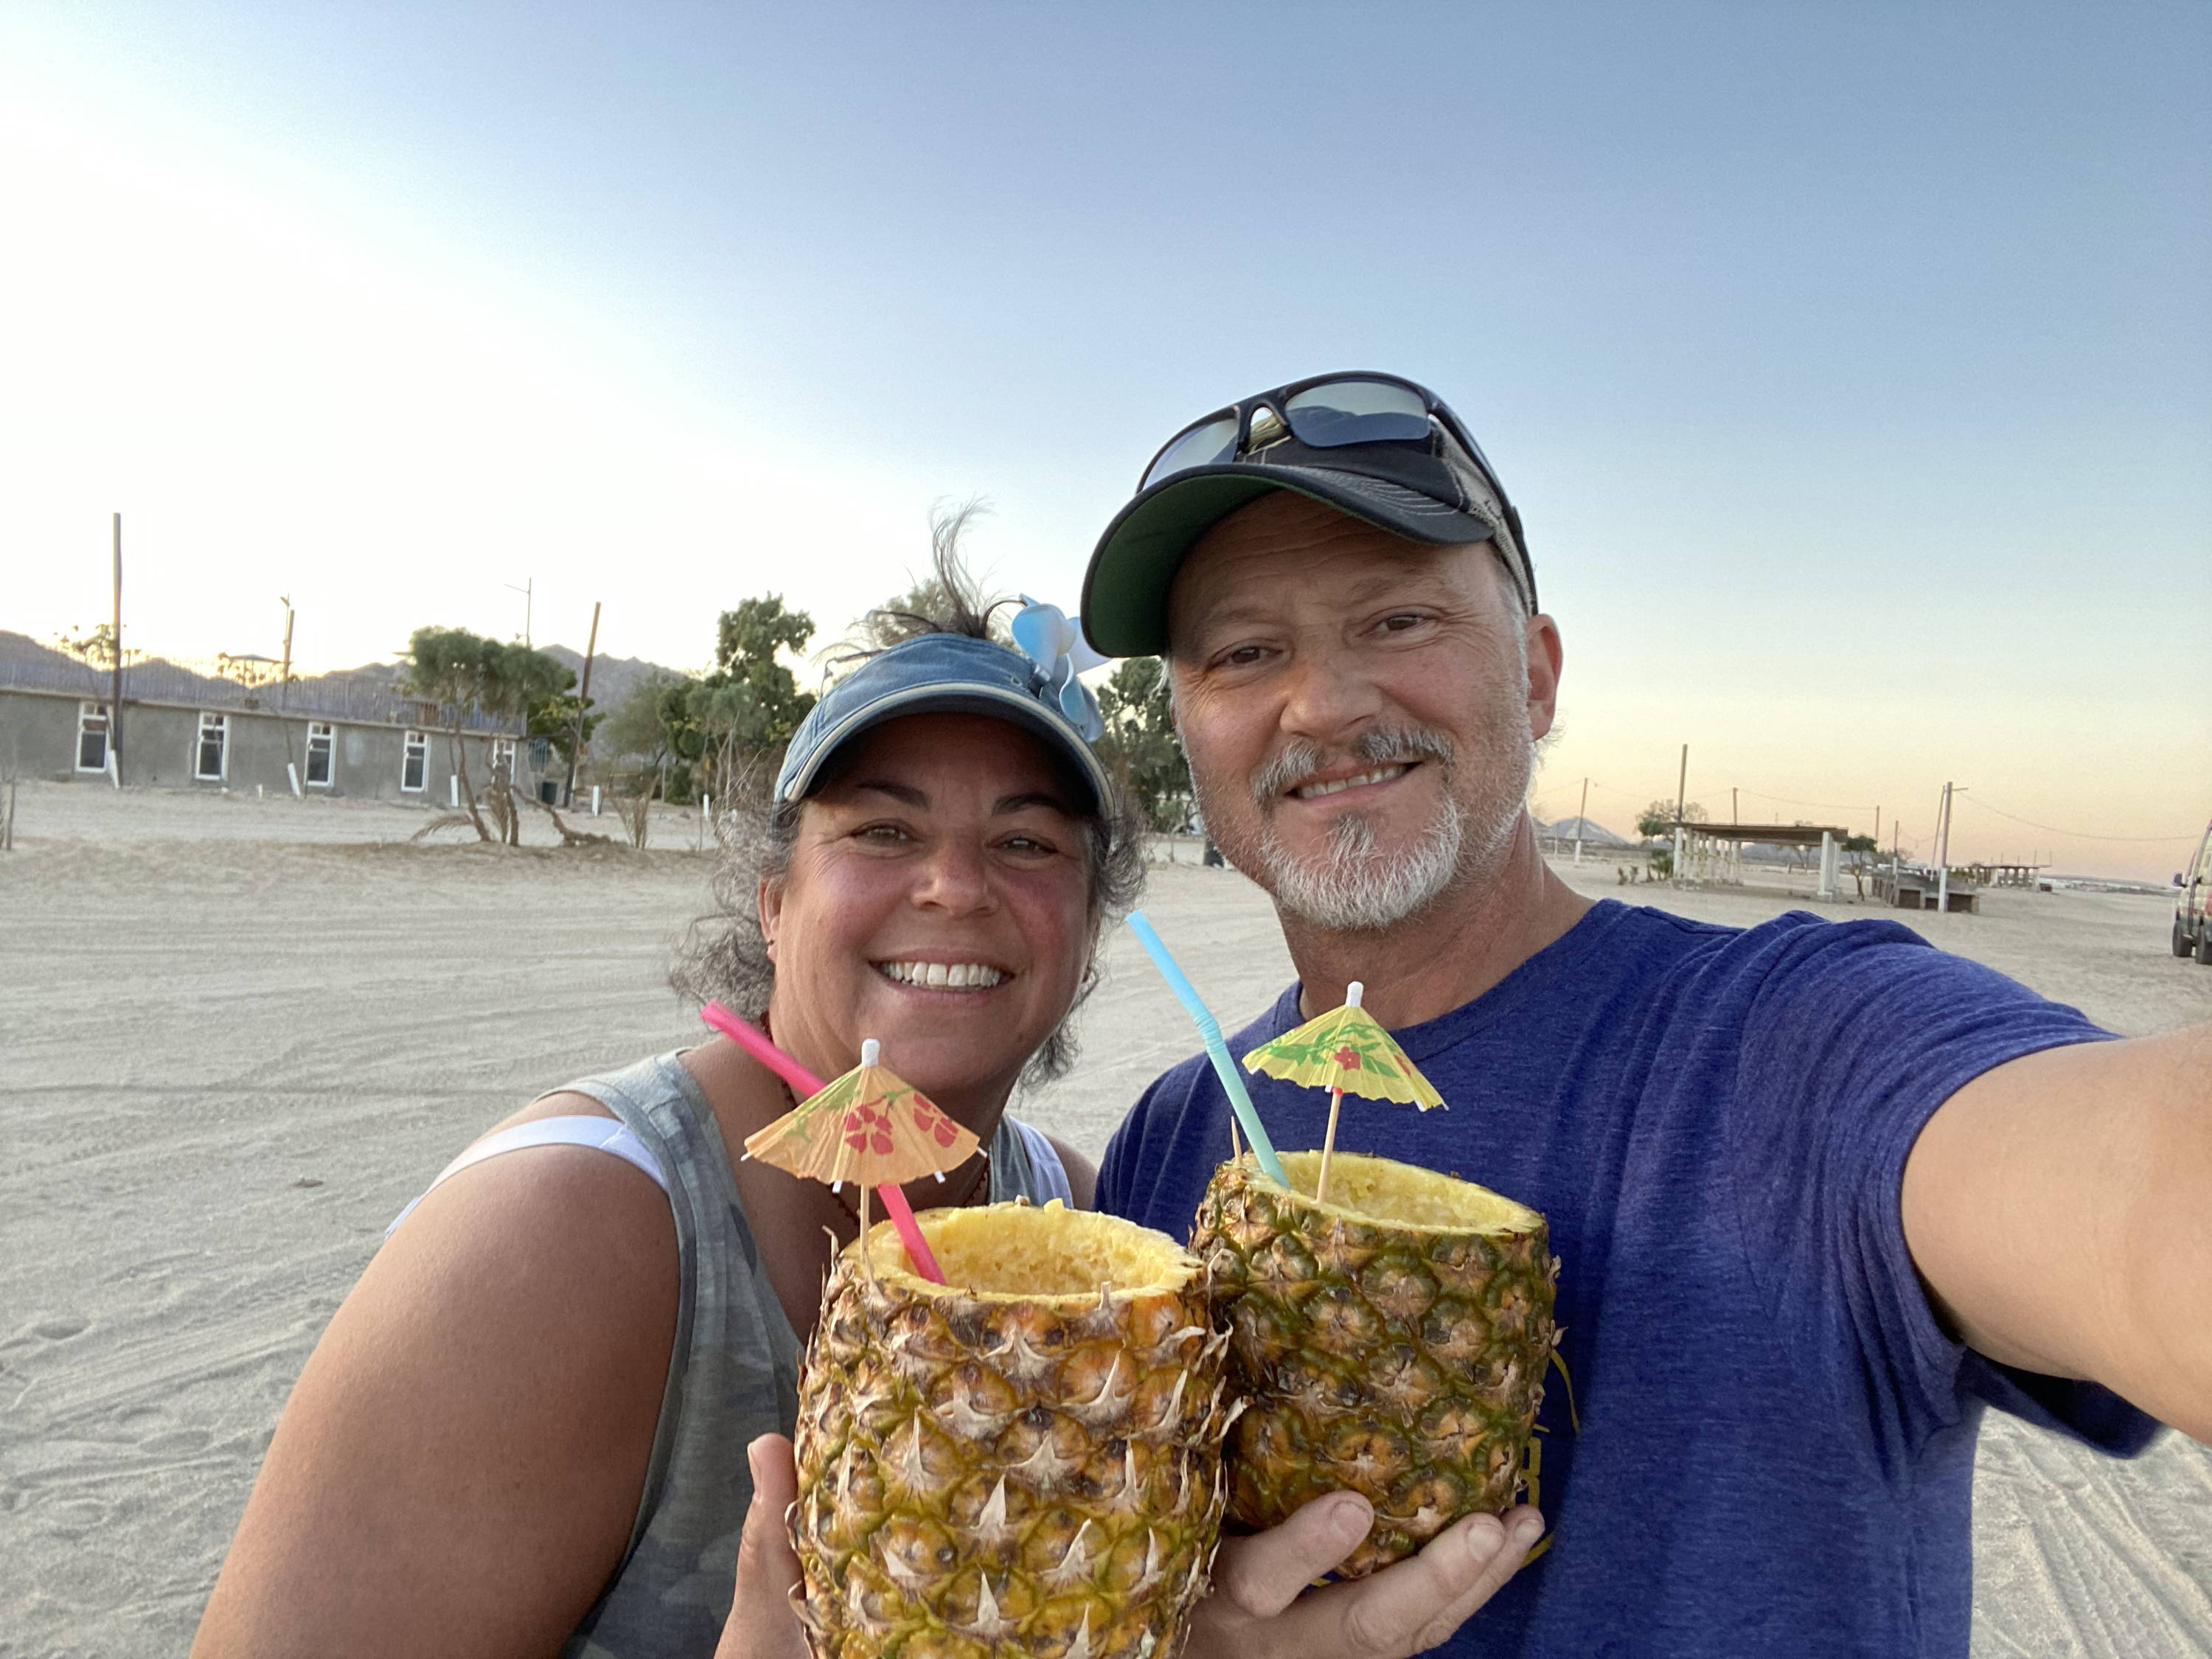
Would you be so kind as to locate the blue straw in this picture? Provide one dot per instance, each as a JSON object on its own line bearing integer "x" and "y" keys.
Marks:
{"x": 1209, "y": 1032}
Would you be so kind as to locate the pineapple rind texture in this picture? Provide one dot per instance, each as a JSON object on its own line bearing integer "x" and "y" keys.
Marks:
{"x": 1403, "y": 1362}
{"x": 995, "y": 1473}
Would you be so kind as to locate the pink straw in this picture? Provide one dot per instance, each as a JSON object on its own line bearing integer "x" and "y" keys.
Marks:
{"x": 754, "y": 1042}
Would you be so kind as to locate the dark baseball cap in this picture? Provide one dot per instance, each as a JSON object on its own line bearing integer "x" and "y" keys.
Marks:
{"x": 934, "y": 673}
{"x": 1386, "y": 451}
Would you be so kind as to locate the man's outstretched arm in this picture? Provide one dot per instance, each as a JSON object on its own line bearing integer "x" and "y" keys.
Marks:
{"x": 2059, "y": 1209}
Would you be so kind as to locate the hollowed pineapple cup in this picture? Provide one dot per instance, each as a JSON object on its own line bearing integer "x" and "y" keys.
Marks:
{"x": 1392, "y": 1341}
{"x": 1025, "y": 1459}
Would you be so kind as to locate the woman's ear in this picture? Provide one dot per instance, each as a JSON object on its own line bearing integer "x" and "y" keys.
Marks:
{"x": 767, "y": 900}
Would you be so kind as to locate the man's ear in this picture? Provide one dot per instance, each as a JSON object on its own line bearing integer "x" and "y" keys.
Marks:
{"x": 767, "y": 901}
{"x": 1542, "y": 635}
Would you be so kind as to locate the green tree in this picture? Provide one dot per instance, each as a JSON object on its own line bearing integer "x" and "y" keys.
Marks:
{"x": 1862, "y": 850}
{"x": 747, "y": 708}
{"x": 466, "y": 674}
{"x": 898, "y": 618}
{"x": 449, "y": 667}
{"x": 636, "y": 738}
{"x": 1139, "y": 746}
{"x": 1658, "y": 818}
{"x": 565, "y": 720}
{"x": 635, "y": 732}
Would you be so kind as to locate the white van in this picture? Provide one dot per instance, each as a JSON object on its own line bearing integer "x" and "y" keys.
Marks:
{"x": 2192, "y": 930}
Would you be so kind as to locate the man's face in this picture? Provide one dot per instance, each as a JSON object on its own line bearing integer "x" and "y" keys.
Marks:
{"x": 1359, "y": 710}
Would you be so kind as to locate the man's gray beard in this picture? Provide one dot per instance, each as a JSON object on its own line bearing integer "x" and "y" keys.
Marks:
{"x": 1350, "y": 889}
{"x": 1353, "y": 887}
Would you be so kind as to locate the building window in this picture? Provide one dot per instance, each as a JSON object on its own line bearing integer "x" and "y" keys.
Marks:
{"x": 214, "y": 746}
{"x": 320, "y": 745}
{"x": 502, "y": 758}
{"x": 415, "y": 769}
{"x": 91, "y": 736}
{"x": 541, "y": 753}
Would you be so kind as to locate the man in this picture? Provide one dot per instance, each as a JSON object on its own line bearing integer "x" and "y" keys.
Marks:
{"x": 1821, "y": 1192}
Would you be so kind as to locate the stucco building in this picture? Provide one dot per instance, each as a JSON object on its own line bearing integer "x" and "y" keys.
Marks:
{"x": 326, "y": 739}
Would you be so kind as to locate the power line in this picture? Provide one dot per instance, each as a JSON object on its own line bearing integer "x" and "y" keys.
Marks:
{"x": 1828, "y": 805}
{"x": 2073, "y": 834}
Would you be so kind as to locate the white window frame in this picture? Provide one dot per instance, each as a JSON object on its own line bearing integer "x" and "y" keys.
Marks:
{"x": 215, "y": 720}
{"x": 415, "y": 745}
{"x": 326, "y": 733}
{"x": 86, "y": 714}
{"x": 503, "y": 755}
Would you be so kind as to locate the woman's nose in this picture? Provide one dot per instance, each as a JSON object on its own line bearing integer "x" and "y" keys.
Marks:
{"x": 954, "y": 878}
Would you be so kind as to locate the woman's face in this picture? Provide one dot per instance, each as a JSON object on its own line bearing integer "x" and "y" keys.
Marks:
{"x": 939, "y": 901}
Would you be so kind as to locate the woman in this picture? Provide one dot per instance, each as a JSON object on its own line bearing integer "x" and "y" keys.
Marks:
{"x": 525, "y": 1431}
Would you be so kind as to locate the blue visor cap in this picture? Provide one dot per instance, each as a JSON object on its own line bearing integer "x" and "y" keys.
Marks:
{"x": 929, "y": 674}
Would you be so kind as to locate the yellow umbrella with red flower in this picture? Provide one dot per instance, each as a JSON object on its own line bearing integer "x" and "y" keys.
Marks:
{"x": 1343, "y": 1049}
{"x": 872, "y": 1127}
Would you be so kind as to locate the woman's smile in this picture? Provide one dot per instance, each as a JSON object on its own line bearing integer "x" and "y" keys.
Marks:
{"x": 929, "y": 973}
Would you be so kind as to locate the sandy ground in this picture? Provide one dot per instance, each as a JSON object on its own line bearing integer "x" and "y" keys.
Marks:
{"x": 236, "y": 1036}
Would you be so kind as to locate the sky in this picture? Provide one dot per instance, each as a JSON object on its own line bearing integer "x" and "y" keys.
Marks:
{"x": 1852, "y": 367}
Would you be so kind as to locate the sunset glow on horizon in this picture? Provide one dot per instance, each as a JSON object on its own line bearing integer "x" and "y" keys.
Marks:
{"x": 1864, "y": 439}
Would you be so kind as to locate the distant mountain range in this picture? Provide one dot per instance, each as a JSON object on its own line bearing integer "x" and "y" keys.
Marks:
{"x": 612, "y": 677}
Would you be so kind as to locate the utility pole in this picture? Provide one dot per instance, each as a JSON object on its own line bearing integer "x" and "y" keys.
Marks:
{"x": 284, "y": 679}
{"x": 1681, "y": 796}
{"x": 1943, "y": 854}
{"x": 583, "y": 701}
{"x": 1581, "y": 821}
{"x": 529, "y": 583}
{"x": 115, "y": 683}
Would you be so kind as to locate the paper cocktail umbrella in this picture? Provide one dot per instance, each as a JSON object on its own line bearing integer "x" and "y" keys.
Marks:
{"x": 869, "y": 1127}
{"x": 924, "y": 1117}
{"x": 1343, "y": 1049}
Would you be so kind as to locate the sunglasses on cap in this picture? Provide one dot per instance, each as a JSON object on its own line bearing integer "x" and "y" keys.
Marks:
{"x": 1330, "y": 411}
{"x": 1378, "y": 448}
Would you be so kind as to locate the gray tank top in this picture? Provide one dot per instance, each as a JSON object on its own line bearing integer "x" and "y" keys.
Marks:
{"x": 733, "y": 1376}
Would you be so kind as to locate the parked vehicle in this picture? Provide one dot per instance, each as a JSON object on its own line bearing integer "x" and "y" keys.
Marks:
{"x": 2192, "y": 905}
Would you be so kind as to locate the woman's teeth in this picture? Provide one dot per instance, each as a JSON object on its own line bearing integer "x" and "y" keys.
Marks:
{"x": 947, "y": 976}
{"x": 1316, "y": 791}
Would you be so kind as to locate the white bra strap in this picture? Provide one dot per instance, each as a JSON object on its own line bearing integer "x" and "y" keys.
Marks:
{"x": 603, "y": 1134}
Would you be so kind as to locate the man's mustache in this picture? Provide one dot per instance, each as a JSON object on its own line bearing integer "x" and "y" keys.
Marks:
{"x": 1298, "y": 760}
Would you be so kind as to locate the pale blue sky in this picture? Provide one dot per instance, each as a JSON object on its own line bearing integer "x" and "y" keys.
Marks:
{"x": 1851, "y": 364}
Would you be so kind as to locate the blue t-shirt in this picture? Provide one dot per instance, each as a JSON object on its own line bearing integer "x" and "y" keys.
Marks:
{"x": 1775, "y": 1452}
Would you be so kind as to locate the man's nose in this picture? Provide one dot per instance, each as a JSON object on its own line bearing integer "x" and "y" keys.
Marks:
{"x": 954, "y": 878}
{"x": 1327, "y": 698}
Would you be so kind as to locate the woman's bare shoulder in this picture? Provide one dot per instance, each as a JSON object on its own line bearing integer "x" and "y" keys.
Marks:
{"x": 472, "y": 1433}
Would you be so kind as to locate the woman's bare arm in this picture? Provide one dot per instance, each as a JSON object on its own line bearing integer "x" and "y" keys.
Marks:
{"x": 459, "y": 1466}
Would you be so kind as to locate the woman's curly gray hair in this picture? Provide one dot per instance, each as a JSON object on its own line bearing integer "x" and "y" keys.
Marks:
{"x": 724, "y": 956}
